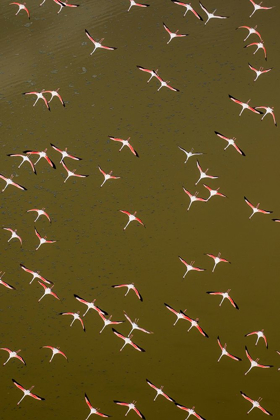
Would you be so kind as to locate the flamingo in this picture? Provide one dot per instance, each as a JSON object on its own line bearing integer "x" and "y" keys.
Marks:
{"x": 131, "y": 218}
{"x": 55, "y": 350}
{"x": 124, "y": 143}
{"x": 27, "y": 392}
{"x": 21, "y": 7}
{"x": 131, "y": 406}
{"x": 98, "y": 44}
{"x": 255, "y": 404}
{"x": 39, "y": 95}
{"x": 12, "y": 354}
{"x": 129, "y": 287}
{"x": 256, "y": 209}
{"x": 225, "y": 352}
{"x": 159, "y": 391}
{"x": 24, "y": 159}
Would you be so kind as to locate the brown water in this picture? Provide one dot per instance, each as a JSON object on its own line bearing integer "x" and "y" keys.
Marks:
{"x": 106, "y": 94}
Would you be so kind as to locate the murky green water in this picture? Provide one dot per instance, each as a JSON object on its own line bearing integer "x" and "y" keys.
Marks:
{"x": 106, "y": 95}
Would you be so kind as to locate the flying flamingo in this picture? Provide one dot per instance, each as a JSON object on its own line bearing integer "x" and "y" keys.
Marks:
{"x": 41, "y": 155}
{"x": 94, "y": 410}
{"x": 188, "y": 8}
{"x": 12, "y": 354}
{"x": 98, "y": 44}
{"x": 35, "y": 274}
{"x": 107, "y": 321}
{"x": 63, "y": 4}
{"x": 135, "y": 326}
{"x": 231, "y": 142}
{"x": 90, "y": 305}
{"x": 64, "y": 153}
{"x": 47, "y": 291}
{"x": 131, "y": 406}
{"x": 217, "y": 260}
{"x": 75, "y": 315}
{"x": 133, "y": 3}
{"x": 225, "y": 352}
{"x": 193, "y": 198}
{"x": 14, "y": 235}
{"x": 179, "y": 315}
{"x": 260, "y": 46}
{"x": 40, "y": 212}
{"x": 40, "y": 95}
{"x": 254, "y": 363}
{"x": 194, "y": 323}
{"x": 212, "y": 192}
{"x": 127, "y": 340}
{"x": 21, "y": 7}
{"x": 190, "y": 267}
{"x": 258, "y": 72}
{"x": 124, "y": 143}
{"x": 245, "y": 105}
{"x": 27, "y": 392}
{"x": 165, "y": 84}
{"x": 189, "y": 154}
{"x": 107, "y": 176}
{"x": 258, "y": 7}
{"x": 268, "y": 110}
{"x": 190, "y": 411}
{"x": 173, "y": 34}
{"x": 8, "y": 286}
{"x": 55, "y": 350}
{"x": 129, "y": 287}
{"x": 9, "y": 181}
{"x": 211, "y": 15}
{"x": 42, "y": 240}
{"x": 24, "y": 159}
{"x": 131, "y": 218}
{"x": 153, "y": 73}
{"x": 251, "y": 31}
{"x": 256, "y": 209}
{"x": 259, "y": 334}
{"x": 71, "y": 173}
{"x": 55, "y": 93}
{"x": 203, "y": 174}
{"x": 224, "y": 295}
{"x": 159, "y": 391}
{"x": 255, "y": 404}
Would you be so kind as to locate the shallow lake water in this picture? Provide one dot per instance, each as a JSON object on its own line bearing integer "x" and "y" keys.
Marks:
{"x": 107, "y": 95}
